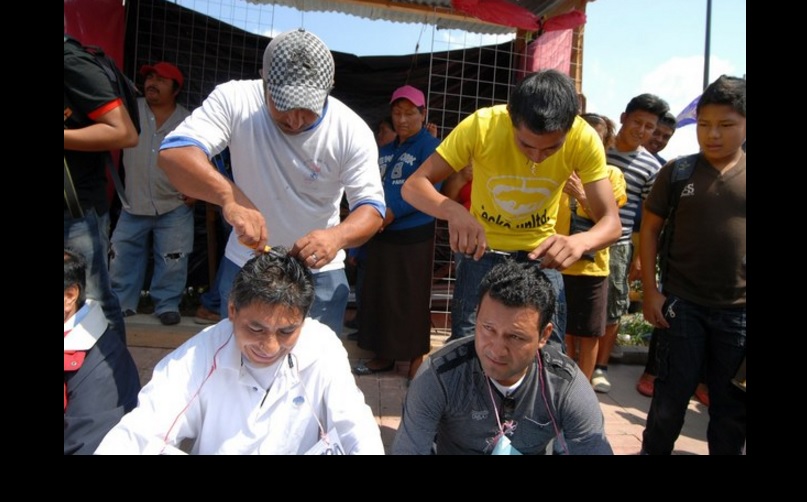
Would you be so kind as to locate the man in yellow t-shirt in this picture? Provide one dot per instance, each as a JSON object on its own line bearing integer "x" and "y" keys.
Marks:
{"x": 522, "y": 154}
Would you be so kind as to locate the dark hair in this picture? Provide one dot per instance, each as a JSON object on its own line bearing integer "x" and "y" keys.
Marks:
{"x": 386, "y": 120}
{"x": 725, "y": 91}
{"x": 648, "y": 103}
{"x": 520, "y": 284}
{"x": 75, "y": 274}
{"x": 668, "y": 119}
{"x": 610, "y": 128}
{"x": 274, "y": 278}
{"x": 544, "y": 102}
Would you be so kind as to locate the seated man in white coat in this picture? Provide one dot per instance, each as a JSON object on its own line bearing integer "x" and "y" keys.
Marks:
{"x": 265, "y": 381}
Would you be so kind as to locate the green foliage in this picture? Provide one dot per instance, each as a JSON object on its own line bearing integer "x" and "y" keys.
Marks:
{"x": 634, "y": 331}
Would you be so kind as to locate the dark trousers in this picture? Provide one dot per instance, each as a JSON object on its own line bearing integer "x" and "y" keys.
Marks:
{"x": 698, "y": 336}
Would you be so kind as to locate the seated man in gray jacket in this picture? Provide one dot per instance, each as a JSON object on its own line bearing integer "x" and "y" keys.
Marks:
{"x": 504, "y": 391}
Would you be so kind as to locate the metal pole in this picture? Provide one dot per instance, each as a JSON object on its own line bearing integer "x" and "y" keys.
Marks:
{"x": 706, "y": 49}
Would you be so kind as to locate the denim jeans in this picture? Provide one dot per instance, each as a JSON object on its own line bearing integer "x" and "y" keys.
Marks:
{"x": 466, "y": 296}
{"x": 698, "y": 337}
{"x": 171, "y": 238}
{"x": 210, "y": 299}
{"x": 89, "y": 236}
{"x": 331, "y": 291}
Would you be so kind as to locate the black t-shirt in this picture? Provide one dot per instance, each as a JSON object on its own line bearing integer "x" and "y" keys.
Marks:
{"x": 88, "y": 94}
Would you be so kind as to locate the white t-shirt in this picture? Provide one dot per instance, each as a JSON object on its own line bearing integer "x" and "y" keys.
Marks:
{"x": 296, "y": 181}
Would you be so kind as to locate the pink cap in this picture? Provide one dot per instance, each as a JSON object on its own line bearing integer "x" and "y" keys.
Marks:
{"x": 412, "y": 94}
{"x": 164, "y": 70}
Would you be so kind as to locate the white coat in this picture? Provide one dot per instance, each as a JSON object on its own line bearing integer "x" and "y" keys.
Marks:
{"x": 202, "y": 391}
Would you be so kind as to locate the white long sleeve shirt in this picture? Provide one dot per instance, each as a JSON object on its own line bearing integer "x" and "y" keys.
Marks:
{"x": 203, "y": 391}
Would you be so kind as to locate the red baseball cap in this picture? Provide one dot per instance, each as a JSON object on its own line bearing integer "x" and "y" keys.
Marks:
{"x": 165, "y": 70}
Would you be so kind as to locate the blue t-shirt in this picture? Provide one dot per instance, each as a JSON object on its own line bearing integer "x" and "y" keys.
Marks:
{"x": 397, "y": 162}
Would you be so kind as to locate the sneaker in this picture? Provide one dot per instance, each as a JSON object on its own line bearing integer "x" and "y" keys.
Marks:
{"x": 702, "y": 394}
{"x": 599, "y": 381}
{"x": 129, "y": 313}
{"x": 204, "y": 316}
{"x": 169, "y": 318}
{"x": 617, "y": 352}
{"x": 646, "y": 384}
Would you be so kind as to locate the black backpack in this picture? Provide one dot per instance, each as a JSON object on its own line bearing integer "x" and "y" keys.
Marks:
{"x": 124, "y": 87}
{"x": 681, "y": 171}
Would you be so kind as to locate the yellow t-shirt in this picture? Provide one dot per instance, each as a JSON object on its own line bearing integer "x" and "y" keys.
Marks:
{"x": 598, "y": 267}
{"x": 515, "y": 199}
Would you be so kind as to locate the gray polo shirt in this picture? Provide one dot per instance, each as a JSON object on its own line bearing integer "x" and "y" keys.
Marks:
{"x": 147, "y": 186}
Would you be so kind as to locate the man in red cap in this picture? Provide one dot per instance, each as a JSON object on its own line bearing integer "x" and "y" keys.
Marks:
{"x": 154, "y": 208}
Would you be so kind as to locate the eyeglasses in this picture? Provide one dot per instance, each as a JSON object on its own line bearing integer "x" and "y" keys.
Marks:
{"x": 508, "y": 409}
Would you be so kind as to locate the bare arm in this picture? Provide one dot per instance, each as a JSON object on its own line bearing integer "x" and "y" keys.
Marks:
{"x": 112, "y": 130}
{"x": 653, "y": 299}
{"x": 560, "y": 251}
{"x": 466, "y": 235}
{"x": 191, "y": 173}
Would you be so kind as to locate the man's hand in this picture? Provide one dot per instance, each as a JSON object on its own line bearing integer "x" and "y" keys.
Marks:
{"x": 652, "y": 303}
{"x": 248, "y": 224}
{"x": 574, "y": 188}
{"x": 316, "y": 249}
{"x": 560, "y": 251}
{"x": 465, "y": 233}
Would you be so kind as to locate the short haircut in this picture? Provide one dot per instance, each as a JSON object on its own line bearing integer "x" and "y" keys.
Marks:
{"x": 668, "y": 119}
{"x": 544, "y": 102}
{"x": 725, "y": 90}
{"x": 274, "y": 278}
{"x": 648, "y": 103}
{"x": 520, "y": 284}
{"x": 75, "y": 274}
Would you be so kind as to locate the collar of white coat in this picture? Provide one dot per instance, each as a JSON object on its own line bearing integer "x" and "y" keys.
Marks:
{"x": 86, "y": 327}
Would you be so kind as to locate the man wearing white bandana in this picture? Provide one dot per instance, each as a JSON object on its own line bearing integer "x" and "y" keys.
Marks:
{"x": 294, "y": 150}
{"x": 503, "y": 391}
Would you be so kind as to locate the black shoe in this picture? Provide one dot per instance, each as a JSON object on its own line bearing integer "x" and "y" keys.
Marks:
{"x": 170, "y": 318}
{"x": 353, "y": 336}
{"x": 362, "y": 369}
{"x": 129, "y": 313}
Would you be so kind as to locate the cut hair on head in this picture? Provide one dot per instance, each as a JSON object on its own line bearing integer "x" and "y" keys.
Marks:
{"x": 544, "y": 102}
{"x": 520, "y": 284}
{"x": 75, "y": 274}
{"x": 726, "y": 90}
{"x": 274, "y": 278}
{"x": 649, "y": 103}
{"x": 668, "y": 119}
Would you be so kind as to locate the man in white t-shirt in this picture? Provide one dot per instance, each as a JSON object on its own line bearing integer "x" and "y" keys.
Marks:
{"x": 294, "y": 151}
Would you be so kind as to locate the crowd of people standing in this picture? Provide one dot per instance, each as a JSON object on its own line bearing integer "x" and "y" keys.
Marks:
{"x": 547, "y": 237}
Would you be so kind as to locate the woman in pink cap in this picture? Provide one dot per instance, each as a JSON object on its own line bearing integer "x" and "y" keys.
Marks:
{"x": 395, "y": 319}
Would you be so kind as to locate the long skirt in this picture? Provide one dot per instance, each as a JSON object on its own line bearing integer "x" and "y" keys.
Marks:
{"x": 394, "y": 318}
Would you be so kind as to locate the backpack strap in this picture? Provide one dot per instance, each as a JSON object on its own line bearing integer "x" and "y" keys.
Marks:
{"x": 681, "y": 171}
{"x": 70, "y": 195}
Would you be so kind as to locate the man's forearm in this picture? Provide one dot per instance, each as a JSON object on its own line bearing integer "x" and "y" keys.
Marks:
{"x": 359, "y": 226}
{"x": 191, "y": 173}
